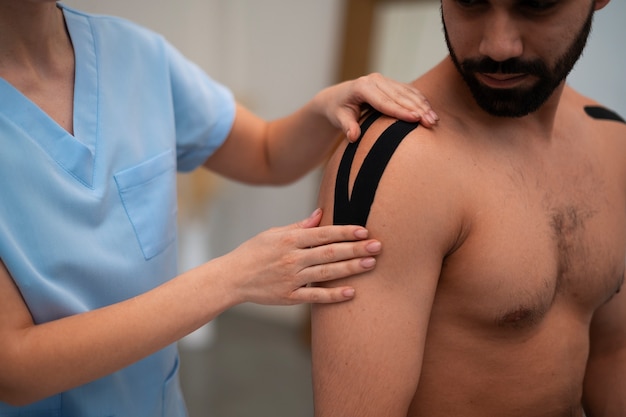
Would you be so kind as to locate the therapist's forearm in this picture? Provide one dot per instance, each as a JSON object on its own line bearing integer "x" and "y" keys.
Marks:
{"x": 42, "y": 360}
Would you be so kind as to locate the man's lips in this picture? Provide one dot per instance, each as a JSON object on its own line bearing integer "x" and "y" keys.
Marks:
{"x": 499, "y": 80}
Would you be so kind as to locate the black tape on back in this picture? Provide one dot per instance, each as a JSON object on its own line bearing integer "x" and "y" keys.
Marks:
{"x": 355, "y": 209}
{"x": 603, "y": 113}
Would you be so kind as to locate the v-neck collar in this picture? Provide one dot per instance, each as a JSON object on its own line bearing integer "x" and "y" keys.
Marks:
{"x": 76, "y": 154}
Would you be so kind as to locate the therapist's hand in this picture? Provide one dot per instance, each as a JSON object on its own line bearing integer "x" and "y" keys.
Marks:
{"x": 276, "y": 266}
{"x": 343, "y": 103}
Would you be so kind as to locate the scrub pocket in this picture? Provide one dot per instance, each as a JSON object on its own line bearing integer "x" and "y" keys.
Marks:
{"x": 148, "y": 193}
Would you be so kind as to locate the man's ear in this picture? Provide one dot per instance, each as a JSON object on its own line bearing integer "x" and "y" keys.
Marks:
{"x": 599, "y": 4}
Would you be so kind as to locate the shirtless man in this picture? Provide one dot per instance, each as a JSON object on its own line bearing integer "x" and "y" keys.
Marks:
{"x": 498, "y": 292}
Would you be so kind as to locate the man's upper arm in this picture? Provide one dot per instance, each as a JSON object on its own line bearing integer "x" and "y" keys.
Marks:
{"x": 367, "y": 353}
{"x": 605, "y": 384}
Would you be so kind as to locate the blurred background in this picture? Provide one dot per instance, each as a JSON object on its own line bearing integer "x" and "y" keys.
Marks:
{"x": 275, "y": 55}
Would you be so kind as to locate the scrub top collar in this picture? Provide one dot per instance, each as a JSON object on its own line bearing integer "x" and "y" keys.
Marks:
{"x": 75, "y": 153}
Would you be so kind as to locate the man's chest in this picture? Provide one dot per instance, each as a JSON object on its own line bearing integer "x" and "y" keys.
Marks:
{"x": 539, "y": 239}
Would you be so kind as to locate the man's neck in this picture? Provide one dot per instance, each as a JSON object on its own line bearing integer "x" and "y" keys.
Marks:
{"x": 447, "y": 84}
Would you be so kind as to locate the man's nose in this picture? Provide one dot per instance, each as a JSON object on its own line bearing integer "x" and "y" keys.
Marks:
{"x": 501, "y": 38}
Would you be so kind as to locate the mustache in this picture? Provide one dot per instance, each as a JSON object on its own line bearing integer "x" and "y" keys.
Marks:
{"x": 510, "y": 66}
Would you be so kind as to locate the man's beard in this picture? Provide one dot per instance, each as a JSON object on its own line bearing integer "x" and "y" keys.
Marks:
{"x": 519, "y": 101}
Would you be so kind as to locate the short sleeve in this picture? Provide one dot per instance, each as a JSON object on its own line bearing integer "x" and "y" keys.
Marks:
{"x": 204, "y": 111}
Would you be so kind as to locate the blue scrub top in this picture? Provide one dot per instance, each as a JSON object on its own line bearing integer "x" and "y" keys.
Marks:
{"x": 90, "y": 220}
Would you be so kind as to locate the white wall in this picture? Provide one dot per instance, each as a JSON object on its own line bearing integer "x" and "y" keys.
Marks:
{"x": 408, "y": 39}
{"x": 601, "y": 72}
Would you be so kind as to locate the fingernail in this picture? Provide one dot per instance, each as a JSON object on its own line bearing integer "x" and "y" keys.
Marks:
{"x": 315, "y": 213}
{"x": 373, "y": 247}
{"x": 433, "y": 115}
{"x": 349, "y": 292}
{"x": 368, "y": 262}
{"x": 361, "y": 233}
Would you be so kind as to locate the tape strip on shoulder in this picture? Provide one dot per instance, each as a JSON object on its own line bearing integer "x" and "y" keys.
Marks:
{"x": 355, "y": 208}
{"x": 602, "y": 113}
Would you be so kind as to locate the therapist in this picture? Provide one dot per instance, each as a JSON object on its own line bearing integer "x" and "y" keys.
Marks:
{"x": 96, "y": 117}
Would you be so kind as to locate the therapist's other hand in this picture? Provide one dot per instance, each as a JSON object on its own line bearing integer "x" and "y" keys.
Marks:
{"x": 343, "y": 103}
{"x": 276, "y": 266}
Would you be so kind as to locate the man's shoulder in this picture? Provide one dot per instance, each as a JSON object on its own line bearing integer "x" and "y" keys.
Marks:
{"x": 390, "y": 154}
{"x": 592, "y": 109}
{"x": 599, "y": 112}
{"x": 389, "y": 144}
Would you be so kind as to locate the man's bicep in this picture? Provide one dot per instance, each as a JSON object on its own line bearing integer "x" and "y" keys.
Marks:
{"x": 605, "y": 387}
{"x": 367, "y": 353}
{"x": 608, "y": 327}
